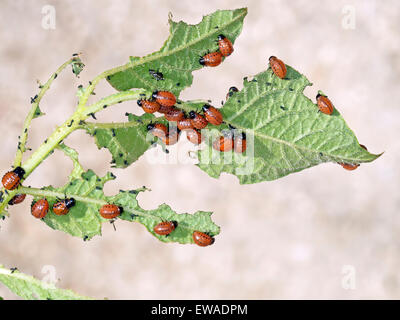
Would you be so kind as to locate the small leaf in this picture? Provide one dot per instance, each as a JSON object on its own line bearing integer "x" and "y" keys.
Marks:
{"x": 290, "y": 134}
{"x": 30, "y": 288}
{"x": 186, "y": 223}
{"x": 77, "y": 66}
{"x": 126, "y": 141}
{"x": 38, "y": 113}
{"x": 179, "y": 56}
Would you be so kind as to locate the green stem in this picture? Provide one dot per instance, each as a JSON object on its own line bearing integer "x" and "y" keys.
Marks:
{"x": 35, "y": 103}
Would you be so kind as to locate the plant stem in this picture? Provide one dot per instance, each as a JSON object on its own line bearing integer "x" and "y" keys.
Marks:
{"x": 35, "y": 104}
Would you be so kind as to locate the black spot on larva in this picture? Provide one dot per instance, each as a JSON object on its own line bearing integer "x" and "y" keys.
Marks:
{"x": 55, "y": 75}
{"x": 113, "y": 132}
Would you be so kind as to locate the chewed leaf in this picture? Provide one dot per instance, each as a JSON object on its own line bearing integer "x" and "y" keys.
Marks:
{"x": 179, "y": 56}
{"x": 186, "y": 224}
{"x": 126, "y": 141}
{"x": 30, "y": 288}
{"x": 285, "y": 131}
{"x": 83, "y": 219}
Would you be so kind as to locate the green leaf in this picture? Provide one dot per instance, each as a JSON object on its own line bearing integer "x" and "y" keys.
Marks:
{"x": 186, "y": 223}
{"x": 179, "y": 56}
{"x": 38, "y": 113}
{"x": 285, "y": 131}
{"x": 126, "y": 141}
{"x": 83, "y": 220}
{"x": 30, "y": 288}
{"x": 77, "y": 66}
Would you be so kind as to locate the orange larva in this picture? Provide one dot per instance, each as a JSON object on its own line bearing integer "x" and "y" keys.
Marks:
{"x": 194, "y": 136}
{"x": 149, "y": 106}
{"x": 212, "y": 59}
{"x": 158, "y": 130}
{"x": 225, "y": 45}
{"x": 212, "y": 115}
{"x": 198, "y": 121}
{"x": 12, "y": 179}
{"x": 18, "y": 198}
{"x": 185, "y": 124}
{"x": 349, "y": 166}
{"x": 62, "y": 207}
{"x": 110, "y": 211}
{"x": 165, "y": 228}
{"x": 223, "y": 144}
{"x": 202, "y": 239}
{"x": 164, "y": 98}
{"x": 175, "y": 114}
{"x": 278, "y": 67}
{"x": 324, "y": 104}
{"x": 171, "y": 139}
{"x": 40, "y": 208}
{"x": 239, "y": 143}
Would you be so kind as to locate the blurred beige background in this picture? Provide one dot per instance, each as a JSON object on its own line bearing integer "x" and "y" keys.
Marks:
{"x": 290, "y": 238}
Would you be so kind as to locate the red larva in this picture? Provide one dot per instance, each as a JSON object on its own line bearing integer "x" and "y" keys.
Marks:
{"x": 212, "y": 115}
{"x": 202, "y": 239}
{"x": 349, "y": 166}
{"x": 194, "y": 136}
{"x": 211, "y": 59}
{"x": 12, "y": 179}
{"x": 278, "y": 67}
{"x": 164, "y": 98}
{"x": 158, "y": 130}
{"x": 198, "y": 121}
{"x": 18, "y": 198}
{"x": 223, "y": 144}
{"x": 324, "y": 104}
{"x": 40, "y": 208}
{"x": 110, "y": 211}
{"x": 62, "y": 207}
{"x": 225, "y": 45}
{"x": 239, "y": 143}
{"x": 165, "y": 228}
{"x": 175, "y": 115}
{"x": 171, "y": 139}
{"x": 185, "y": 124}
{"x": 149, "y": 106}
